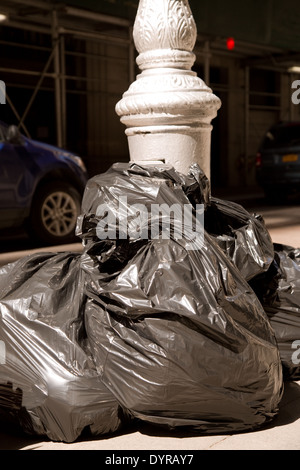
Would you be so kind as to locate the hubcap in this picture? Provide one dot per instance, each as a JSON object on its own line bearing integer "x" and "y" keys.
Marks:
{"x": 59, "y": 214}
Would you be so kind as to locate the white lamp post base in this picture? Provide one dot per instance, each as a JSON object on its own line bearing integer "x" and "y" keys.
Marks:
{"x": 168, "y": 110}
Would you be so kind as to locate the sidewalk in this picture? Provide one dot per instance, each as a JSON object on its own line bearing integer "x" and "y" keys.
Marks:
{"x": 281, "y": 434}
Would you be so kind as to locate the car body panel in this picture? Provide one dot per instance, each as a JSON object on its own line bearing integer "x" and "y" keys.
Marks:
{"x": 26, "y": 165}
{"x": 279, "y": 157}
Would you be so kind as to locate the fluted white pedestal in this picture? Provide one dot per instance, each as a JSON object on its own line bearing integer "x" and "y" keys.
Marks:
{"x": 168, "y": 109}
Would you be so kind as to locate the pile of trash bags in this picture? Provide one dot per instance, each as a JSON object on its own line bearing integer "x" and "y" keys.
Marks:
{"x": 153, "y": 322}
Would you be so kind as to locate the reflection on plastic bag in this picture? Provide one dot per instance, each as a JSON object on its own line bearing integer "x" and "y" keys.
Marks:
{"x": 48, "y": 381}
{"x": 279, "y": 292}
{"x": 241, "y": 235}
{"x": 139, "y": 327}
{"x": 180, "y": 327}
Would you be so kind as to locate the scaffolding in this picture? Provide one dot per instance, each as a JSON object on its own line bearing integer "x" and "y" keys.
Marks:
{"x": 104, "y": 42}
{"x": 86, "y": 60}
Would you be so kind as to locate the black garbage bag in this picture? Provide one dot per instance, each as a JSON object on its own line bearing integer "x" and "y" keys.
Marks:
{"x": 48, "y": 381}
{"x": 241, "y": 235}
{"x": 177, "y": 334}
{"x": 273, "y": 270}
{"x": 279, "y": 292}
{"x": 143, "y": 324}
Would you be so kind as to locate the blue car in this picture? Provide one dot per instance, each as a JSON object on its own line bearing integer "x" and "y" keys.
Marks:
{"x": 41, "y": 187}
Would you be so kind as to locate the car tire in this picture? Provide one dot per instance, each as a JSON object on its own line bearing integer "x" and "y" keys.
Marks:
{"x": 55, "y": 209}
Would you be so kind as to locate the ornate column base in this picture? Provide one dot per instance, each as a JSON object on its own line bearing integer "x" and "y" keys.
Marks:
{"x": 168, "y": 110}
{"x": 179, "y": 146}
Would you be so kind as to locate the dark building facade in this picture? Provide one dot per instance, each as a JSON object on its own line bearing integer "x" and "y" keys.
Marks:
{"x": 67, "y": 65}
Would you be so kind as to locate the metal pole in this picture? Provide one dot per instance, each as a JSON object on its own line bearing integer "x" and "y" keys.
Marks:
{"x": 246, "y": 150}
{"x": 63, "y": 91}
{"x": 206, "y": 62}
{"x": 131, "y": 57}
{"x": 58, "y": 101}
{"x": 36, "y": 89}
{"x": 97, "y": 36}
{"x": 167, "y": 111}
{"x": 17, "y": 115}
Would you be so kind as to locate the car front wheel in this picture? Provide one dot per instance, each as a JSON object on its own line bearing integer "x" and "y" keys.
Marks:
{"x": 54, "y": 213}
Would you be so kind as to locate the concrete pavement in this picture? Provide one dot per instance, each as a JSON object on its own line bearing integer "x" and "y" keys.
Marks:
{"x": 282, "y": 434}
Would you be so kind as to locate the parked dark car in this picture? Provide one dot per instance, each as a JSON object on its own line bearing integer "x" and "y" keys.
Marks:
{"x": 41, "y": 187}
{"x": 278, "y": 160}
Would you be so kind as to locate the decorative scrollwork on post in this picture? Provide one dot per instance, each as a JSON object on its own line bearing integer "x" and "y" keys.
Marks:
{"x": 168, "y": 109}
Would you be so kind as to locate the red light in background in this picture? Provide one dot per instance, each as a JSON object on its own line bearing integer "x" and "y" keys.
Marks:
{"x": 230, "y": 44}
{"x": 258, "y": 160}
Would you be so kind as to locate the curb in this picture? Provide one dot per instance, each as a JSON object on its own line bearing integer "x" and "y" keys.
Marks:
{"x": 11, "y": 257}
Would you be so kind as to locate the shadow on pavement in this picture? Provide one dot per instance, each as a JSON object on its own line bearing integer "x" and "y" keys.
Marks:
{"x": 16, "y": 442}
{"x": 289, "y": 412}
